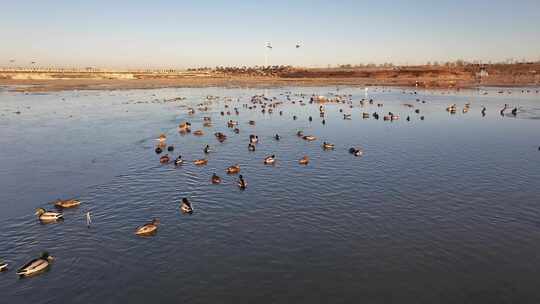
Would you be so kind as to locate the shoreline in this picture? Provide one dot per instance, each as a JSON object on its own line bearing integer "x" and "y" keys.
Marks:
{"x": 56, "y": 85}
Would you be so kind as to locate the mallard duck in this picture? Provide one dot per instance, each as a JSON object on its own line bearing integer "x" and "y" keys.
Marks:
{"x": 304, "y": 160}
{"x": 162, "y": 137}
{"x": 70, "y": 203}
{"x": 36, "y": 266}
{"x": 48, "y": 216}
{"x": 148, "y": 228}
{"x": 220, "y": 136}
{"x": 233, "y": 169}
{"x": 216, "y": 179}
{"x": 327, "y": 146}
{"x": 164, "y": 159}
{"x": 269, "y": 160}
{"x": 185, "y": 206}
{"x": 3, "y": 266}
{"x": 178, "y": 161}
{"x": 309, "y": 138}
{"x": 200, "y": 162}
{"x": 241, "y": 182}
{"x": 251, "y": 147}
{"x": 198, "y": 133}
{"x": 253, "y": 139}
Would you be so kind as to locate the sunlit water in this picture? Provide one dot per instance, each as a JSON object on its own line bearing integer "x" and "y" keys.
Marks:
{"x": 441, "y": 210}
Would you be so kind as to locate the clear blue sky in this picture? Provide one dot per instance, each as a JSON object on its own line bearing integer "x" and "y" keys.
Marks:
{"x": 159, "y": 33}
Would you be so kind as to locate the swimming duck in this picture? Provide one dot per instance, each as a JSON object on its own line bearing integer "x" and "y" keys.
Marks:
{"x": 347, "y": 116}
{"x": 365, "y": 115}
{"x": 48, "y": 216}
{"x": 36, "y": 266}
{"x": 185, "y": 127}
{"x": 178, "y": 161}
{"x": 148, "y": 228}
{"x": 310, "y": 118}
{"x": 269, "y": 160}
{"x": 309, "y": 138}
{"x": 514, "y": 111}
{"x": 207, "y": 149}
{"x": 162, "y": 137}
{"x": 164, "y": 159}
{"x": 241, "y": 182}
{"x": 198, "y": 133}
{"x": 158, "y": 150}
{"x": 3, "y": 266}
{"x": 251, "y": 147}
{"x": 207, "y": 124}
{"x": 251, "y": 122}
{"x": 300, "y": 133}
{"x": 233, "y": 169}
{"x": 327, "y": 146}
{"x": 253, "y": 139}
{"x": 185, "y": 206}
{"x": 277, "y": 137}
{"x": 70, "y": 203}
{"x": 216, "y": 179}
{"x": 220, "y": 136}
{"x": 200, "y": 162}
{"x": 304, "y": 160}
{"x": 170, "y": 148}
{"x": 356, "y": 152}
{"x": 236, "y": 131}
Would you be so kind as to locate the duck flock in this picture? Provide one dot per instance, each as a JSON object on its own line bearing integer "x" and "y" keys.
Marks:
{"x": 262, "y": 103}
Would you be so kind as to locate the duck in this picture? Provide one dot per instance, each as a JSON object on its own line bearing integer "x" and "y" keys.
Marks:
{"x": 251, "y": 147}
{"x": 148, "y": 228}
{"x": 347, "y": 116}
{"x": 48, "y": 216}
{"x": 3, "y": 266}
{"x": 236, "y": 131}
{"x": 251, "y": 122}
{"x": 514, "y": 111}
{"x": 269, "y": 160}
{"x": 327, "y": 146}
{"x": 162, "y": 137}
{"x": 365, "y": 115}
{"x": 356, "y": 151}
{"x": 170, "y": 148}
{"x": 220, "y": 136}
{"x": 36, "y": 266}
{"x": 216, "y": 179}
{"x": 233, "y": 169}
{"x": 242, "y": 184}
{"x": 253, "y": 139}
{"x": 185, "y": 127}
{"x": 65, "y": 204}
{"x": 300, "y": 133}
{"x": 178, "y": 161}
{"x": 277, "y": 137}
{"x": 206, "y": 149}
{"x": 185, "y": 206}
{"x": 198, "y": 133}
{"x": 309, "y": 138}
{"x": 164, "y": 159}
{"x": 304, "y": 160}
{"x": 158, "y": 150}
{"x": 200, "y": 162}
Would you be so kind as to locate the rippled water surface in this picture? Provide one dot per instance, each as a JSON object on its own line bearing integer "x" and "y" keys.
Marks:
{"x": 440, "y": 210}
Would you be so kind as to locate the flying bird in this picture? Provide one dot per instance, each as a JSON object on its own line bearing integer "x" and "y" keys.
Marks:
{"x": 268, "y": 45}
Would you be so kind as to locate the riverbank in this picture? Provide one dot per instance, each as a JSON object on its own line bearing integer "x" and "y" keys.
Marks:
{"x": 43, "y": 80}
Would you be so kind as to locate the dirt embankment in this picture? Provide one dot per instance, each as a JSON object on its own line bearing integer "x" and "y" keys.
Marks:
{"x": 421, "y": 76}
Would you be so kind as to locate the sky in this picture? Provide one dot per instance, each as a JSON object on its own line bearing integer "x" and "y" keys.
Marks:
{"x": 183, "y": 34}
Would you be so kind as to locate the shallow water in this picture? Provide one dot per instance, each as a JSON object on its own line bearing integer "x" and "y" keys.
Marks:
{"x": 441, "y": 210}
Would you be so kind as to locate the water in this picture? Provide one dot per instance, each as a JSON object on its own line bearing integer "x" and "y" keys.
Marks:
{"x": 441, "y": 210}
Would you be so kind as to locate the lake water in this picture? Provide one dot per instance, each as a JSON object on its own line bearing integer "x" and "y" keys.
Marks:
{"x": 440, "y": 210}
